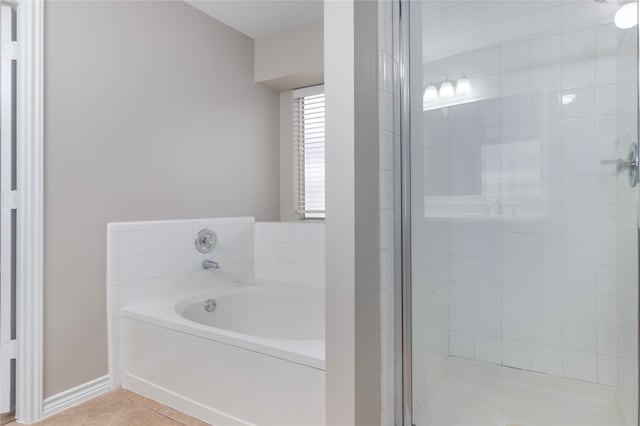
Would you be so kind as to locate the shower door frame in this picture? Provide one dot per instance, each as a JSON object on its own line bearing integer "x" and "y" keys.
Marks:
{"x": 403, "y": 349}
{"x": 403, "y": 317}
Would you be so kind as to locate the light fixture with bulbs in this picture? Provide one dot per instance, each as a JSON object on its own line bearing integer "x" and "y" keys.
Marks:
{"x": 430, "y": 94}
{"x": 446, "y": 90}
{"x": 627, "y": 16}
{"x": 463, "y": 87}
{"x": 446, "y": 93}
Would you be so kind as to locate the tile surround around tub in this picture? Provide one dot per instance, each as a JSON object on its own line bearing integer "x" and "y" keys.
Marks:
{"x": 147, "y": 261}
{"x": 290, "y": 251}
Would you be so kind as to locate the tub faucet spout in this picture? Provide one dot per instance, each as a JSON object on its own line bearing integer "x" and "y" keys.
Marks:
{"x": 210, "y": 264}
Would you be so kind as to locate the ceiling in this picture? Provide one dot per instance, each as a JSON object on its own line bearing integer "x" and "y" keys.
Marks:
{"x": 260, "y": 18}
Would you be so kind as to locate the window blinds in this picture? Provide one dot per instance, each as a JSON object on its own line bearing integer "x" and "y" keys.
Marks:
{"x": 309, "y": 151}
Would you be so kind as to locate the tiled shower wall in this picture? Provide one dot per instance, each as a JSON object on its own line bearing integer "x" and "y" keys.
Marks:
{"x": 148, "y": 261}
{"x": 535, "y": 250}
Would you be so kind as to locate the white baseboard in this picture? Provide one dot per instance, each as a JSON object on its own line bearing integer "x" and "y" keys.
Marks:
{"x": 74, "y": 396}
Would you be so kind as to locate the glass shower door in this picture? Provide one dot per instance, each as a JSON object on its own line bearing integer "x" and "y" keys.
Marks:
{"x": 524, "y": 228}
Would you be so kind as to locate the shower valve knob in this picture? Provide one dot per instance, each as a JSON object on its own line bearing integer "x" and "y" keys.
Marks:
{"x": 631, "y": 164}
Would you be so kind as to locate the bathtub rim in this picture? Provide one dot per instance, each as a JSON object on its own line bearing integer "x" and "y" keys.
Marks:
{"x": 165, "y": 313}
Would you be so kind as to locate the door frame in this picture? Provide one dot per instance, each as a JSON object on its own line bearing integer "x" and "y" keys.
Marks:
{"x": 30, "y": 203}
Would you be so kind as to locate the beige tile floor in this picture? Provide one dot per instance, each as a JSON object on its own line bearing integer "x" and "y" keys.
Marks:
{"x": 120, "y": 408}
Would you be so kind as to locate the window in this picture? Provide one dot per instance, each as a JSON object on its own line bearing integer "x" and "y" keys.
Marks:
{"x": 308, "y": 152}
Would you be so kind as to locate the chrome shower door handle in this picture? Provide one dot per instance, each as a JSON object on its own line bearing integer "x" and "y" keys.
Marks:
{"x": 631, "y": 165}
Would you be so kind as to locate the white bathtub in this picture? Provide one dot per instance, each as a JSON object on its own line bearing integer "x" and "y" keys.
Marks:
{"x": 258, "y": 358}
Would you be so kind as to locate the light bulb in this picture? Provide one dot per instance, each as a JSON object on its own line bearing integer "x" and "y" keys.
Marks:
{"x": 463, "y": 87}
{"x": 430, "y": 94}
{"x": 446, "y": 90}
{"x": 627, "y": 16}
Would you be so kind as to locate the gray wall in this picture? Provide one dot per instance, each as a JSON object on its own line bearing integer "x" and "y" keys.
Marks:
{"x": 151, "y": 112}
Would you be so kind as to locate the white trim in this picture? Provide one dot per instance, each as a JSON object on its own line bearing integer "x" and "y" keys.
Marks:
{"x": 8, "y": 52}
{"x": 30, "y": 210}
{"x": 308, "y": 91}
{"x": 74, "y": 396}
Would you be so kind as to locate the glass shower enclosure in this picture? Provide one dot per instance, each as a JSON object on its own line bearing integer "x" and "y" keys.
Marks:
{"x": 520, "y": 212}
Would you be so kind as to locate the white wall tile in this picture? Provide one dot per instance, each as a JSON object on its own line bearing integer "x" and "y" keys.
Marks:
{"x": 546, "y": 50}
{"x": 606, "y": 99}
{"x": 156, "y": 265}
{"x": 182, "y": 238}
{"x": 488, "y": 349}
{"x": 133, "y": 243}
{"x": 546, "y": 359}
{"x": 583, "y": 102}
{"x": 546, "y": 331}
{"x": 131, "y": 269}
{"x": 159, "y": 240}
{"x": 316, "y": 233}
{"x": 160, "y": 288}
{"x": 607, "y": 309}
{"x": 300, "y": 233}
{"x": 545, "y": 22}
{"x": 285, "y": 232}
{"x": 579, "y": 306}
{"x": 516, "y": 354}
{"x": 461, "y": 319}
{"x": 461, "y": 344}
{"x": 578, "y": 73}
{"x": 516, "y": 300}
{"x": 579, "y": 44}
{"x": 514, "y": 56}
{"x": 297, "y": 256}
{"x": 578, "y": 132}
{"x": 133, "y": 293}
{"x": 607, "y": 339}
{"x": 488, "y": 323}
{"x": 607, "y": 370}
{"x": 579, "y": 336}
{"x": 316, "y": 275}
{"x": 113, "y": 243}
{"x": 516, "y": 327}
{"x": 461, "y": 294}
{"x": 546, "y": 78}
{"x": 284, "y": 271}
{"x": 580, "y": 365}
